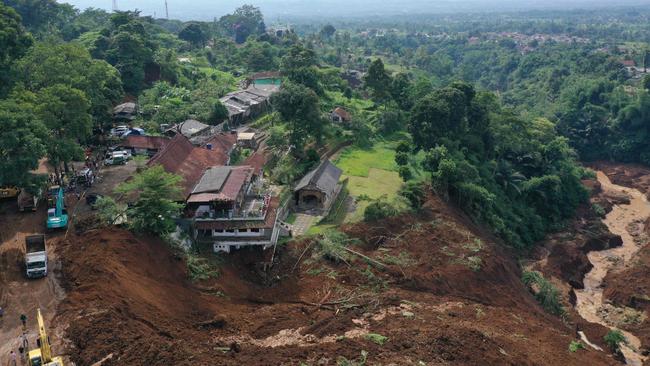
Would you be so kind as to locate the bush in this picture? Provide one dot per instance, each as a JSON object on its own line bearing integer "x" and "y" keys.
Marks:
{"x": 376, "y": 338}
{"x": 575, "y": 346}
{"x": 331, "y": 246}
{"x": 547, "y": 294}
{"x": 613, "y": 339}
{"x": 378, "y": 210}
{"x": 414, "y": 193}
{"x": 405, "y": 173}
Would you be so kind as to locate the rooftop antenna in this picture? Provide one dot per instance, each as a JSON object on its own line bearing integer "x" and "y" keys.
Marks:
{"x": 114, "y": 5}
{"x": 166, "y": 10}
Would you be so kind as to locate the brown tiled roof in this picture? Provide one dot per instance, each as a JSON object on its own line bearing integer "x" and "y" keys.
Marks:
{"x": 223, "y": 141}
{"x": 343, "y": 113}
{"x": 145, "y": 142}
{"x": 268, "y": 222}
{"x": 239, "y": 175}
{"x": 257, "y": 161}
{"x": 180, "y": 157}
{"x": 628, "y": 63}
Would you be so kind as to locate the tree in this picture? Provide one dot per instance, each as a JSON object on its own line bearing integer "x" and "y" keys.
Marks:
{"x": 245, "y": 21}
{"x": 299, "y": 66}
{"x": 155, "y": 207}
{"x": 400, "y": 91}
{"x": 299, "y": 106}
{"x": 21, "y": 142}
{"x": 70, "y": 64}
{"x": 219, "y": 113}
{"x": 328, "y": 31}
{"x": 646, "y": 82}
{"x": 64, "y": 112}
{"x": 378, "y": 81}
{"x": 194, "y": 34}
{"x": 14, "y": 42}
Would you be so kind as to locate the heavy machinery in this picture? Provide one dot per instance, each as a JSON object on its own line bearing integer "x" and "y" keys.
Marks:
{"x": 35, "y": 256}
{"x": 57, "y": 216}
{"x": 9, "y": 192}
{"x": 42, "y": 356}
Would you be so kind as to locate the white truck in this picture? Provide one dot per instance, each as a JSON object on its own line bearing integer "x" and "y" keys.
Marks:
{"x": 35, "y": 256}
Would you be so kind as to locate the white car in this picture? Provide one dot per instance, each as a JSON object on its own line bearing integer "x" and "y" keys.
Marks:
{"x": 119, "y": 130}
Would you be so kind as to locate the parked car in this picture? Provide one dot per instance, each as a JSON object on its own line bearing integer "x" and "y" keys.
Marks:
{"x": 135, "y": 131}
{"x": 119, "y": 130}
{"x": 92, "y": 198}
{"x": 116, "y": 159}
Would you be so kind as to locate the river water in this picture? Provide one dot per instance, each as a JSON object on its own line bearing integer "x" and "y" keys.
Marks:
{"x": 590, "y": 299}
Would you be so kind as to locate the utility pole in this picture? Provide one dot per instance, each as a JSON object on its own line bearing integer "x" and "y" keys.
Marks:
{"x": 114, "y": 5}
{"x": 166, "y": 10}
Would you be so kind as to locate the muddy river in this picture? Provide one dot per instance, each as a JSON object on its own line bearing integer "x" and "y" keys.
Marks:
{"x": 590, "y": 300}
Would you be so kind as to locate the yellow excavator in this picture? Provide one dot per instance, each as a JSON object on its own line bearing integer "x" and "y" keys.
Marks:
{"x": 42, "y": 356}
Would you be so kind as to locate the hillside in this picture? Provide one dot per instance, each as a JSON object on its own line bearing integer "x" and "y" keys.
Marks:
{"x": 447, "y": 294}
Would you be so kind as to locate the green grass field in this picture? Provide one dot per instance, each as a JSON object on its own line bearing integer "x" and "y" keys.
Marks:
{"x": 357, "y": 162}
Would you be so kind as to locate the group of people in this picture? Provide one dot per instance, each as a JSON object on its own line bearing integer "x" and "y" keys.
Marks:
{"x": 23, "y": 342}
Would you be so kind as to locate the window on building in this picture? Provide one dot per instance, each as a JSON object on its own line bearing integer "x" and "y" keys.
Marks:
{"x": 255, "y": 230}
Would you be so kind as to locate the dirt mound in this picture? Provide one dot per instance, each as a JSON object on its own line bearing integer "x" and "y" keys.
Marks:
{"x": 435, "y": 289}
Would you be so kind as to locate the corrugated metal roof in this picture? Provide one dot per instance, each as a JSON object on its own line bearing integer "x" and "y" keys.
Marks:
{"x": 212, "y": 180}
{"x": 325, "y": 177}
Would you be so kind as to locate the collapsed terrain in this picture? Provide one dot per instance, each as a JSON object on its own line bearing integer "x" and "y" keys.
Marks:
{"x": 433, "y": 288}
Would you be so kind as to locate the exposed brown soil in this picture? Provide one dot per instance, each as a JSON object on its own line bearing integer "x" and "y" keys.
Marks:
{"x": 447, "y": 295}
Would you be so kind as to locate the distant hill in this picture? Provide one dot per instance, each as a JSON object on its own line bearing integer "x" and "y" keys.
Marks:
{"x": 208, "y": 9}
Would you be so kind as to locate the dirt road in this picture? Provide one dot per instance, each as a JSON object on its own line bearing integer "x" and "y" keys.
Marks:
{"x": 19, "y": 295}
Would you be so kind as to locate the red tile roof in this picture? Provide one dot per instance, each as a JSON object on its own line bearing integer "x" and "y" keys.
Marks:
{"x": 145, "y": 142}
{"x": 343, "y": 113}
{"x": 180, "y": 157}
{"x": 224, "y": 141}
{"x": 257, "y": 161}
{"x": 628, "y": 63}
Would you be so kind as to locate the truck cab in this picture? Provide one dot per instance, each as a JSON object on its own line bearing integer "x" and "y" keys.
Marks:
{"x": 35, "y": 256}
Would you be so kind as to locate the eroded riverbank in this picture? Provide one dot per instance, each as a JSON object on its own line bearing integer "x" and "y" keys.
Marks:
{"x": 589, "y": 301}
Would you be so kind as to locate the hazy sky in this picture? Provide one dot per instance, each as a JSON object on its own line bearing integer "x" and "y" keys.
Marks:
{"x": 274, "y": 9}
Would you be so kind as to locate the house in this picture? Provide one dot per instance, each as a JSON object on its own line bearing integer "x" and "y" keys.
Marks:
{"x": 628, "y": 63}
{"x": 340, "y": 115}
{"x": 189, "y": 128}
{"x": 144, "y": 145}
{"x": 229, "y": 209}
{"x": 223, "y": 141}
{"x": 279, "y": 30}
{"x": 353, "y": 77}
{"x": 125, "y": 112}
{"x": 247, "y": 104}
{"x": 180, "y": 157}
{"x": 318, "y": 189}
{"x": 247, "y": 140}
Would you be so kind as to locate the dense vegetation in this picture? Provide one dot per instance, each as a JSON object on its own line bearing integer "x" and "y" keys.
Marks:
{"x": 492, "y": 113}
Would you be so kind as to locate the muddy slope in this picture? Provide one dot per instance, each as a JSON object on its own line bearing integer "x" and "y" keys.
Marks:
{"x": 437, "y": 287}
{"x": 627, "y": 289}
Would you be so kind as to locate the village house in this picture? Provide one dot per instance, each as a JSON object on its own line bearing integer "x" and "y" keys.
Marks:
{"x": 180, "y": 157}
{"x": 125, "y": 112}
{"x": 247, "y": 104}
{"x": 247, "y": 140}
{"x": 229, "y": 209}
{"x": 319, "y": 188}
{"x": 144, "y": 145}
{"x": 189, "y": 128}
{"x": 340, "y": 115}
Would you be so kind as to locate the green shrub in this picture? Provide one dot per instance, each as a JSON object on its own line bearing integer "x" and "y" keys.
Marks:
{"x": 414, "y": 193}
{"x": 613, "y": 339}
{"x": 331, "y": 244}
{"x": 378, "y": 210}
{"x": 598, "y": 210}
{"x": 574, "y": 346}
{"x": 547, "y": 295}
{"x": 376, "y": 338}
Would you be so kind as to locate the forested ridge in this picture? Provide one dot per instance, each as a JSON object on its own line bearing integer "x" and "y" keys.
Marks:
{"x": 494, "y": 117}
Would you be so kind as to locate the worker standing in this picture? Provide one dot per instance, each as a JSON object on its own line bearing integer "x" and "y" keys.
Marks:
{"x": 13, "y": 358}
{"x": 24, "y": 341}
{"x": 23, "y": 319}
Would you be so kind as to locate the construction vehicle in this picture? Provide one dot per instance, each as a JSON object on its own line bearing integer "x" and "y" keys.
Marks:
{"x": 57, "y": 216}
{"x": 9, "y": 192}
{"x": 35, "y": 256}
{"x": 28, "y": 201}
{"x": 42, "y": 356}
